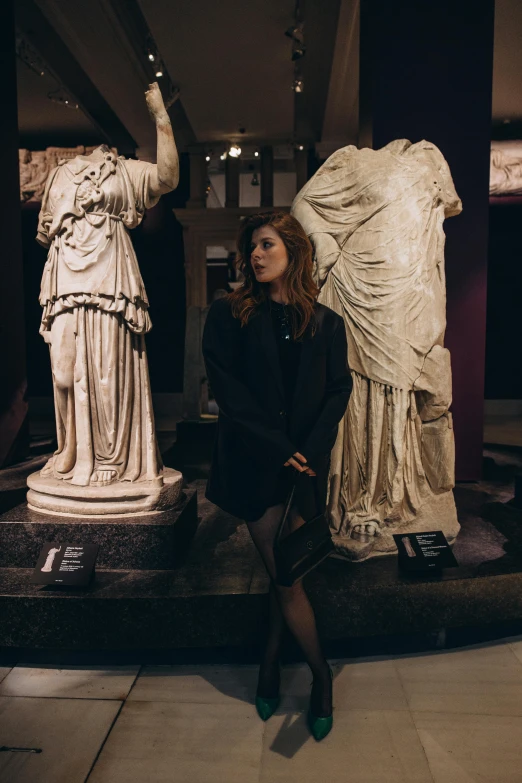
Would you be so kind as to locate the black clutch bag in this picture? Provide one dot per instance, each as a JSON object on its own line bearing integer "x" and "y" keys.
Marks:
{"x": 299, "y": 552}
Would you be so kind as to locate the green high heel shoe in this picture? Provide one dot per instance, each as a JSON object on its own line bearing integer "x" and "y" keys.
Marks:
{"x": 266, "y": 707}
{"x": 320, "y": 727}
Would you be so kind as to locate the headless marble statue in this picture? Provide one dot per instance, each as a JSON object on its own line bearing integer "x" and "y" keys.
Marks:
{"x": 375, "y": 220}
{"x": 95, "y": 317}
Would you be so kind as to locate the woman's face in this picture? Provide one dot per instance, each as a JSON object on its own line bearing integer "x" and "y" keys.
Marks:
{"x": 268, "y": 254}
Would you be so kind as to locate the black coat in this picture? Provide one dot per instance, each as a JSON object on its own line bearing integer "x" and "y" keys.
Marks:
{"x": 255, "y": 434}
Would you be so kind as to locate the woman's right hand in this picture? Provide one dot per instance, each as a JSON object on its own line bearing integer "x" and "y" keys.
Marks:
{"x": 297, "y": 461}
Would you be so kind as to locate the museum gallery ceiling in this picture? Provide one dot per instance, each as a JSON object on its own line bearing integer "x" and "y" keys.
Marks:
{"x": 231, "y": 61}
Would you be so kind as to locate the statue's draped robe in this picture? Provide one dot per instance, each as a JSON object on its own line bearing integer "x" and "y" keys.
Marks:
{"x": 95, "y": 316}
{"x": 375, "y": 219}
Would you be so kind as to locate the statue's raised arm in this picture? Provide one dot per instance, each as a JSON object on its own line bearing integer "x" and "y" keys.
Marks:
{"x": 166, "y": 177}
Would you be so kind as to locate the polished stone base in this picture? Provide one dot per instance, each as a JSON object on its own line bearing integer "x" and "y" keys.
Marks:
{"x": 439, "y": 514}
{"x": 122, "y": 498}
{"x": 149, "y": 541}
{"x": 217, "y": 597}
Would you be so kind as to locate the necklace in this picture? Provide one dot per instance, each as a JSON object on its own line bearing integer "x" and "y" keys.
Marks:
{"x": 285, "y": 332}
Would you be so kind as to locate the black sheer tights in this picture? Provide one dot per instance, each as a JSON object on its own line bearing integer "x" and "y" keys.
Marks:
{"x": 289, "y": 606}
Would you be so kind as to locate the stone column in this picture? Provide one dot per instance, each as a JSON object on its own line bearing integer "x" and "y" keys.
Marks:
{"x": 198, "y": 178}
{"x": 13, "y": 406}
{"x": 426, "y": 73}
{"x": 267, "y": 176}
{"x": 232, "y": 167}
{"x": 301, "y": 168}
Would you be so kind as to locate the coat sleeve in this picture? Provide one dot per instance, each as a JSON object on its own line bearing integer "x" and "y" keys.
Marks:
{"x": 267, "y": 442}
{"x": 321, "y": 439}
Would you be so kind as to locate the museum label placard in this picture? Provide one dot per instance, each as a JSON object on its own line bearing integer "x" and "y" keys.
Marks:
{"x": 65, "y": 564}
{"x": 423, "y": 552}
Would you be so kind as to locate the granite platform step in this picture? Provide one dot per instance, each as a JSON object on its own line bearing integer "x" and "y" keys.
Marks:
{"x": 217, "y": 596}
{"x": 152, "y": 541}
{"x": 193, "y": 606}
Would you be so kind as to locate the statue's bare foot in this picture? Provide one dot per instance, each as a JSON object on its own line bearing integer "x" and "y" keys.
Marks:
{"x": 364, "y": 531}
{"x": 48, "y": 468}
{"x": 102, "y": 478}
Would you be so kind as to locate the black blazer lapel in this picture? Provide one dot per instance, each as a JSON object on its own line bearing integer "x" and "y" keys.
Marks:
{"x": 307, "y": 352}
{"x": 262, "y": 327}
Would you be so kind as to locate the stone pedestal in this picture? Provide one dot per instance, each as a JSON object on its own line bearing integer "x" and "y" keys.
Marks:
{"x": 153, "y": 541}
{"x": 125, "y": 498}
{"x": 218, "y": 597}
{"x": 439, "y": 514}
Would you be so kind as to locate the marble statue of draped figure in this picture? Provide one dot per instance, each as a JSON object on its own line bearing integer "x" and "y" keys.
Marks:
{"x": 375, "y": 219}
{"x": 95, "y": 311}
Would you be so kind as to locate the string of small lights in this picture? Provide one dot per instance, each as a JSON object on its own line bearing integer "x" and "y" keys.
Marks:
{"x": 296, "y": 34}
{"x": 30, "y": 58}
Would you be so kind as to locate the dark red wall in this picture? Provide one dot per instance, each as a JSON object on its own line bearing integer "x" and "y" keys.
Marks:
{"x": 504, "y": 333}
{"x": 13, "y": 406}
{"x": 426, "y": 73}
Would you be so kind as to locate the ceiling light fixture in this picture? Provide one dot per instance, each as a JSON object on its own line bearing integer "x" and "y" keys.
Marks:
{"x": 298, "y": 85}
{"x": 60, "y": 95}
{"x": 234, "y": 151}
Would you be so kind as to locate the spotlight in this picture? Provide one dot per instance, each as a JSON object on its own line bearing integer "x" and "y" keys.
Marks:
{"x": 60, "y": 96}
{"x": 159, "y": 73}
{"x": 234, "y": 151}
{"x": 151, "y": 57}
{"x": 300, "y": 147}
{"x": 223, "y": 156}
{"x": 207, "y": 158}
{"x": 256, "y": 154}
{"x": 298, "y": 85}
{"x": 298, "y": 51}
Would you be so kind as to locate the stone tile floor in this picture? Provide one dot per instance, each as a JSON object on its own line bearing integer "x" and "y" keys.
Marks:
{"x": 445, "y": 717}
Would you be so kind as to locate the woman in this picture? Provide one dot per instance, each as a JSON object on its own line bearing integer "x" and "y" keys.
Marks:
{"x": 276, "y": 361}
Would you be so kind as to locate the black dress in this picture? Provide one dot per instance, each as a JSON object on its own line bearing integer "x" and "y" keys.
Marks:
{"x": 255, "y": 436}
{"x": 289, "y": 359}
{"x": 289, "y": 349}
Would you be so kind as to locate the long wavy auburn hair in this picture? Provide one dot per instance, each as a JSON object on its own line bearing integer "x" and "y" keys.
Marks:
{"x": 300, "y": 286}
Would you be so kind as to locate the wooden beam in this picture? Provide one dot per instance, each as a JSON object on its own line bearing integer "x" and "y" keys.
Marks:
{"x": 341, "y": 116}
{"x": 42, "y": 37}
{"x": 128, "y": 17}
{"x": 320, "y": 28}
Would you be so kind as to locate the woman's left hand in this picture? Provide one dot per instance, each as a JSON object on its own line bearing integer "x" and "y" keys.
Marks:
{"x": 309, "y": 472}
